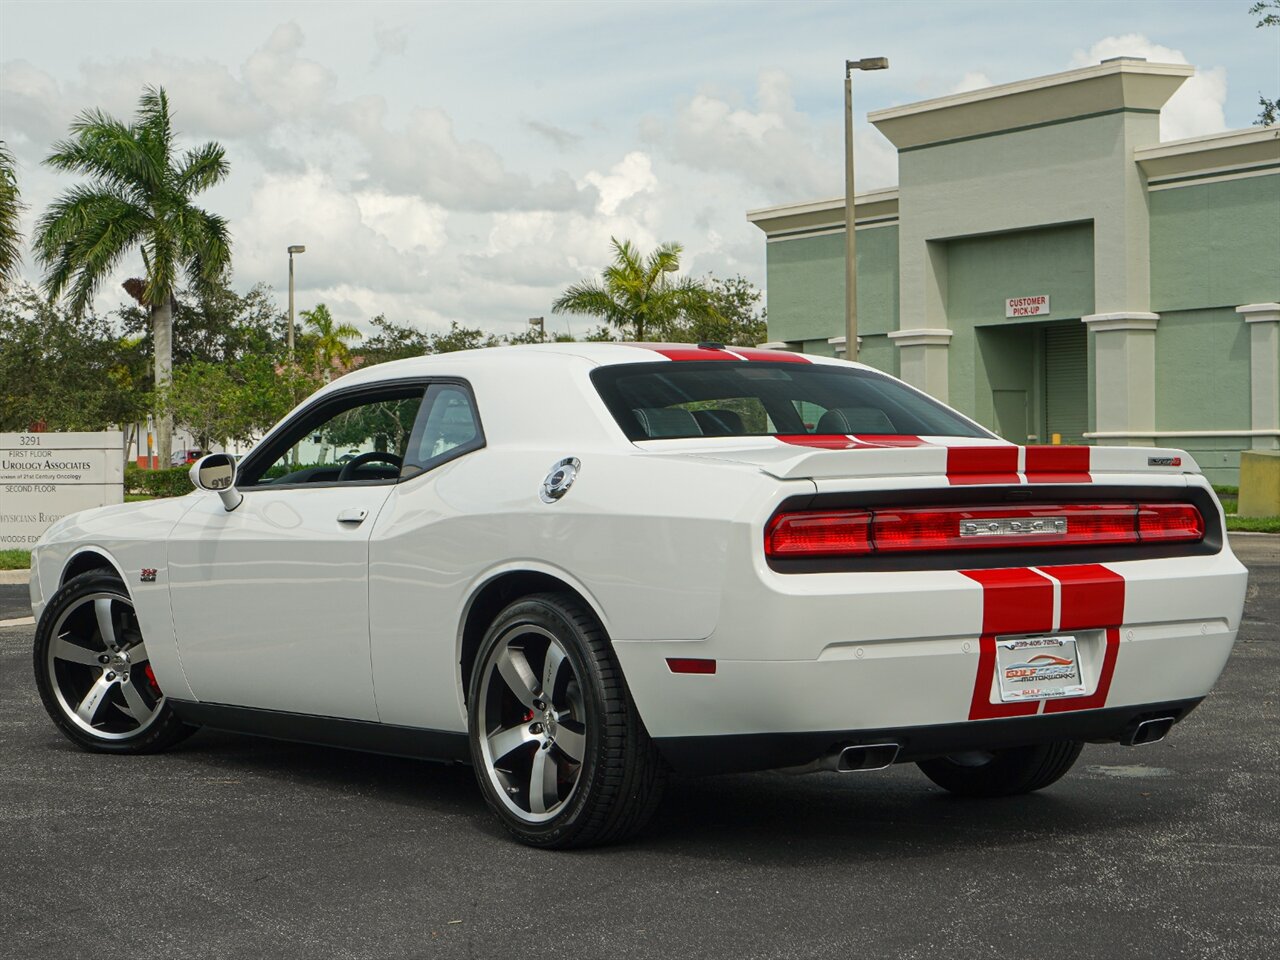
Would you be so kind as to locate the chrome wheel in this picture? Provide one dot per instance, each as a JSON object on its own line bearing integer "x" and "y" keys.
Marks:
{"x": 534, "y": 734}
{"x": 100, "y": 671}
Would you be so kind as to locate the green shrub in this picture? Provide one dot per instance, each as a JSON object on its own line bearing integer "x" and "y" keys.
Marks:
{"x": 171, "y": 482}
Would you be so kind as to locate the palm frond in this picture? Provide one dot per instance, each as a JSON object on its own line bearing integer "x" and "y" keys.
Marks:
{"x": 110, "y": 151}
{"x": 590, "y": 299}
{"x": 108, "y": 232}
{"x": 205, "y": 247}
{"x": 11, "y": 208}
{"x": 201, "y": 168}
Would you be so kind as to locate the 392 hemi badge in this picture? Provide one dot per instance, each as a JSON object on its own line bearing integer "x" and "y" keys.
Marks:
{"x": 1010, "y": 527}
{"x": 148, "y": 575}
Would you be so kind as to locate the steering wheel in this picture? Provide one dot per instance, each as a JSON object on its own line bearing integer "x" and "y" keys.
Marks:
{"x": 349, "y": 468}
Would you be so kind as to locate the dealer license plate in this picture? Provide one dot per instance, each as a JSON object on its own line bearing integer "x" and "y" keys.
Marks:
{"x": 1038, "y": 668}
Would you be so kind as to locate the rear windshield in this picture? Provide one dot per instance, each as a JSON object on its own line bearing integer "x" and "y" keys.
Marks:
{"x": 723, "y": 398}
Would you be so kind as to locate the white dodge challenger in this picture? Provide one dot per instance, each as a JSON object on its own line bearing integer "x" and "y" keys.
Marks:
{"x": 578, "y": 567}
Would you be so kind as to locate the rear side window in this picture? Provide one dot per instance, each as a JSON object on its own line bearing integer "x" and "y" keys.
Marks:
{"x": 448, "y": 427}
{"x": 653, "y": 401}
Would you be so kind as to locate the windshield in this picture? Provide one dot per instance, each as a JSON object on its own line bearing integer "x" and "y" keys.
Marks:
{"x": 725, "y": 398}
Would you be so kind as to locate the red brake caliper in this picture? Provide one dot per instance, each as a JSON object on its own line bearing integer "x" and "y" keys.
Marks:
{"x": 151, "y": 679}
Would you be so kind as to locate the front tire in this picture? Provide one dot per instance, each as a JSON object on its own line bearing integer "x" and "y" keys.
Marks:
{"x": 94, "y": 673}
{"x": 1003, "y": 773}
{"x": 559, "y": 750}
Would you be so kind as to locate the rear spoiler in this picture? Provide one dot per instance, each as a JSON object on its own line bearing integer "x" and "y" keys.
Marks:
{"x": 970, "y": 463}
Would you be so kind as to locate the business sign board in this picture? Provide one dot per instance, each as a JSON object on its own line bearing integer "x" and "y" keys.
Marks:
{"x": 45, "y": 476}
{"x": 1035, "y": 306}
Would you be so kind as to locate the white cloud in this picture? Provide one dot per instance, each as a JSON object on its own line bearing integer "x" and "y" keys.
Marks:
{"x": 289, "y": 84}
{"x": 774, "y": 147}
{"x": 632, "y": 175}
{"x": 1197, "y": 108}
{"x": 407, "y": 223}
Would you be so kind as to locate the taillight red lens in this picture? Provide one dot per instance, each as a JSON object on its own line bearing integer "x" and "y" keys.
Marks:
{"x": 889, "y": 530}
{"x": 813, "y": 534}
{"x": 1169, "y": 522}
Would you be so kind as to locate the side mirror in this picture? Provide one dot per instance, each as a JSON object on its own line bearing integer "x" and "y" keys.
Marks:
{"x": 217, "y": 474}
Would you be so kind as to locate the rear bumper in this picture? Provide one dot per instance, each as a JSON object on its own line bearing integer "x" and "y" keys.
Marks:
{"x": 770, "y": 751}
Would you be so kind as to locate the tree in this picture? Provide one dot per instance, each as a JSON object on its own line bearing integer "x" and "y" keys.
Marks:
{"x": 393, "y": 341}
{"x": 635, "y": 295}
{"x": 217, "y": 325}
{"x": 1268, "y": 14}
{"x": 329, "y": 340}
{"x": 139, "y": 195}
{"x": 71, "y": 372}
{"x": 11, "y": 208}
{"x": 460, "y": 338}
{"x": 736, "y": 318}
{"x": 236, "y": 400}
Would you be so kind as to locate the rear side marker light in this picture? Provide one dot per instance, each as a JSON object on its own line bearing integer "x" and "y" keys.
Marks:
{"x": 690, "y": 665}
{"x": 897, "y": 530}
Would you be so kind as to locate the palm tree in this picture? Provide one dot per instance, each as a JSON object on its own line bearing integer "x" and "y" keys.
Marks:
{"x": 634, "y": 293}
{"x": 139, "y": 195}
{"x": 332, "y": 339}
{"x": 10, "y": 210}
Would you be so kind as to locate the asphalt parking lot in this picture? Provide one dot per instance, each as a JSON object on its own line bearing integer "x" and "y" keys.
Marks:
{"x": 235, "y": 847}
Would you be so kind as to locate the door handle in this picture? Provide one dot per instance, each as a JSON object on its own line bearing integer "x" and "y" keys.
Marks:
{"x": 354, "y": 515}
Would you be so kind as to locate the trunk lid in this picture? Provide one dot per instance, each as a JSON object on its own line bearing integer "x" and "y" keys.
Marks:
{"x": 953, "y": 460}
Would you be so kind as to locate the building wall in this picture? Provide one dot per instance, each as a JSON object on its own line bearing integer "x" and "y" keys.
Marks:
{"x": 806, "y": 286}
{"x": 1215, "y": 244}
{"x": 981, "y": 272}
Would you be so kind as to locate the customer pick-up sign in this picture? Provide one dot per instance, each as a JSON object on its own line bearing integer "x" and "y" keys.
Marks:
{"x": 1033, "y": 306}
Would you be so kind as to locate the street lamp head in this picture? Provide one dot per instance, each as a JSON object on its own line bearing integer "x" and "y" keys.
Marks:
{"x": 867, "y": 63}
{"x": 297, "y": 248}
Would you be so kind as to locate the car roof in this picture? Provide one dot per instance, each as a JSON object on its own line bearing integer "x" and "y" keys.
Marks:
{"x": 565, "y": 355}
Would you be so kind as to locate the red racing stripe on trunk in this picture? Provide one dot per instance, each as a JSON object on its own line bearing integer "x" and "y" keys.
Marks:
{"x": 1014, "y": 600}
{"x": 1058, "y": 465}
{"x": 982, "y": 465}
{"x": 823, "y": 441}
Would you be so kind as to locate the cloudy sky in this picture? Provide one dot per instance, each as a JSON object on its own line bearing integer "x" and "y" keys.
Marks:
{"x": 466, "y": 161}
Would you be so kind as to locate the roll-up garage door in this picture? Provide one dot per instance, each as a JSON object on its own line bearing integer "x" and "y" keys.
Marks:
{"x": 1066, "y": 382}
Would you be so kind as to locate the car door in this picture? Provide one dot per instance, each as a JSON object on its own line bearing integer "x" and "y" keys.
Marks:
{"x": 270, "y": 600}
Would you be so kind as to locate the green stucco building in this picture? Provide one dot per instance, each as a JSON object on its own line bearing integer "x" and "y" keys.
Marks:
{"x": 1048, "y": 266}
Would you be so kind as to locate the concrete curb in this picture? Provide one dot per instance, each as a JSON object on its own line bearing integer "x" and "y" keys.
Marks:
{"x": 15, "y": 576}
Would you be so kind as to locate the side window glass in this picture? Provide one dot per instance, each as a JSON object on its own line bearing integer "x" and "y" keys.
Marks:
{"x": 365, "y": 441}
{"x": 447, "y": 427}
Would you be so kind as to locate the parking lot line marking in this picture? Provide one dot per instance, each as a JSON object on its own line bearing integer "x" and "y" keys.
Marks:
{"x": 20, "y": 622}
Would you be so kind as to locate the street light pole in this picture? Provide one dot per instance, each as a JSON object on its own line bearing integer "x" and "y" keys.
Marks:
{"x": 850, "y": 231}
{"x": 295, "y": 248}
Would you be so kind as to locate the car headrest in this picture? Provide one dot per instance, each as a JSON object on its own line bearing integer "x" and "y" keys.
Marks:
{"x": 720, "y": 423}
{"x": 855, "y": 420}
{"x": 657, "y": 422}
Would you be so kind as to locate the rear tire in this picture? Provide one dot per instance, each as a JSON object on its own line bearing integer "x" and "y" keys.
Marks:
{"x": 558, "y": 747}
{"x": 1003, "y": 773}
{"x": 94, "y": 673}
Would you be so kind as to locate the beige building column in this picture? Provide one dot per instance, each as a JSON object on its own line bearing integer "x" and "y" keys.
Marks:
{"x": 1124, "y": 389}
{"x": 1264, "y": 370}
{"x": 922, "y": 359}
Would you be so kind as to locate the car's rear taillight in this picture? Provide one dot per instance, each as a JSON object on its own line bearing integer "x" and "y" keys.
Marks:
{"x": 899, "y": 529}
